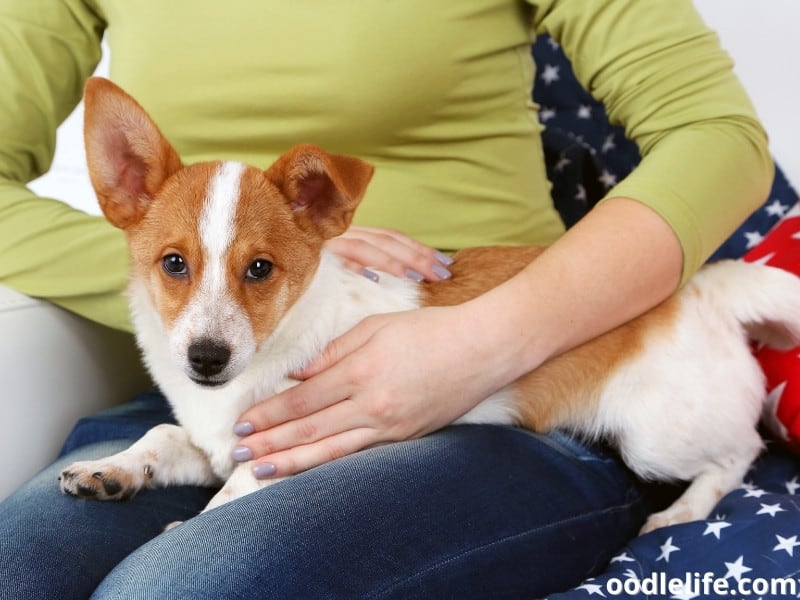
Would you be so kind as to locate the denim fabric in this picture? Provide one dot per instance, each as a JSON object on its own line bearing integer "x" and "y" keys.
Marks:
{"x": 468, "y": 512}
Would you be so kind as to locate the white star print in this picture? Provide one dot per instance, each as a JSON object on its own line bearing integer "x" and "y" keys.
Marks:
{"x": 592, "y": 588}
{"x": 686, "y": 593}
{"x": 546, "y": 114}
{"x": 607, "y": 179}
{"x": 770, "y": 414}
{"x": 631, "y": 574}
{"x": 562, "y": 162}
{"x": 754, "y": 238}
{"x": 770, "y": 509}
{"x": 553, "y": 44}
{"x": 765, "y": 259}
{"x": 776, "y": 209}
{"x": 788, "y": 544}
{"x": 754, "y": 493}
{"x": 550, "y": 74}
{"x": 585, "y": 111}
{"x": 714, "y": 528}
{"x": 608, "y": 144}
{"x": 622, "y": 558}
{"x": 666, "y": 549}
{"x": 736, "y": 569}
{"x": 793, "y": 212}
{"x": 792, "y": 485}
{"x": 581, "y": 194}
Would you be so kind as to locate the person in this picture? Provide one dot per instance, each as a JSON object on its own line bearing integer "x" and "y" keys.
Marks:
{"x": 437, "y": 97}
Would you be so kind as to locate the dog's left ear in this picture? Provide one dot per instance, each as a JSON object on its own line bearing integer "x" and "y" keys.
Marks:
{"x": 323, "y": 189}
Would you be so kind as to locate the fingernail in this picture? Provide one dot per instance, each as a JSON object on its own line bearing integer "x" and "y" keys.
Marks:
{"x": 443, "y": 258}
{"x": 415, "y": 275}
{"x": 441, "y": 272}
{"x": 244, "y": 428}
{"x": 264, "y": 470}
{"x": 242, "y": 453}
{"x": 371, "y": 275}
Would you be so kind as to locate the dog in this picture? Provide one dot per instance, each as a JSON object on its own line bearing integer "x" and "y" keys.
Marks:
{"x": 232, "y": 289}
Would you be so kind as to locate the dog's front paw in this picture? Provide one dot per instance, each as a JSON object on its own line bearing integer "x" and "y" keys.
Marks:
{"x": 102, "y": 480}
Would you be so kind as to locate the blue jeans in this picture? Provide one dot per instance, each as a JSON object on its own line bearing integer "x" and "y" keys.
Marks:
{"x": 468, "y": 512}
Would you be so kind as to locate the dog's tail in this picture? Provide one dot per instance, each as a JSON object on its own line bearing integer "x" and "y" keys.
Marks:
{"x": 764, "y": 300}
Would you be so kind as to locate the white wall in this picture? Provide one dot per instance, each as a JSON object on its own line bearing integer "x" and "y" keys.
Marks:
{"x": 762, "y": 37}
{"x": 759, "y": 35}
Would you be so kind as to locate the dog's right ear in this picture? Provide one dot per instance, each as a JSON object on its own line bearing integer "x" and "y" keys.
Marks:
{"x": 128, "y": 157}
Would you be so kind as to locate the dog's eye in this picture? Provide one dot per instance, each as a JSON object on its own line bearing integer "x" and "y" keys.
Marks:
{"x": 174, "y": 264}
{"x": 259, "y": 270}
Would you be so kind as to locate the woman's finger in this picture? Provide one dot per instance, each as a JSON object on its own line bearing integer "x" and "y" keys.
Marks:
{"x": 339, "y": 417}
{"x": 390, "y": 252}
{"x": 378, "y": 236}
{"x": 302, "y": 458}
{"x": 296, "y": 402}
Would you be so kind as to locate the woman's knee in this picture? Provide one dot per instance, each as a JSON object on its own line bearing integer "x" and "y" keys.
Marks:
{"x": 56, "y": 546}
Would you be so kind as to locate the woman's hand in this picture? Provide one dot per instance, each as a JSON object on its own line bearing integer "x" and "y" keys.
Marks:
{"x": 392, "y": 377}
{"x": 364, "y": 248}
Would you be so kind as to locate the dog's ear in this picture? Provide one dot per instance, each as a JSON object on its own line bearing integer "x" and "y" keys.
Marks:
{"x": 128, "y": 157}
{"x": 323, "y": 189}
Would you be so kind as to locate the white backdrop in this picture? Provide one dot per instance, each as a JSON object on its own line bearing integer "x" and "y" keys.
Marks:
{"x": 759, "y": 35}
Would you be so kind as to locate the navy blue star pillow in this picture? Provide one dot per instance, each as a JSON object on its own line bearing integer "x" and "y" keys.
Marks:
{"x": 748, "y": 547}
{"x": 586, "y": 155}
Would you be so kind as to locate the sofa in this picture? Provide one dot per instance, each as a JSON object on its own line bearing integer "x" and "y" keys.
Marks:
{"x": 57, "y": 367}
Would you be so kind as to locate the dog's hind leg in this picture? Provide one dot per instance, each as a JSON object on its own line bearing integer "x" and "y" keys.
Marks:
{"x": 703, "y": 493}
{"x": 163, "y": 456}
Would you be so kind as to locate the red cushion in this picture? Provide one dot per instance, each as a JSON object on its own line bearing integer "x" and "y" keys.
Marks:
{"x": 781, "y": 248}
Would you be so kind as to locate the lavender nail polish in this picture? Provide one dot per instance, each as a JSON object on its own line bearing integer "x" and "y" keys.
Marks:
{"x": 264, "y": 470}
{"x": 244, "y": 428}
{"x": 443, "y": 258}
{"x": 242, "y": 454}
{"x": 414, "y": 275}
{"x": 441, "y": 272}
{"x": 371, "y": 275}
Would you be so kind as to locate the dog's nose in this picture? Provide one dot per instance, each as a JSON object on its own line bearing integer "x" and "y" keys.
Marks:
{"x": 208, "y": 358}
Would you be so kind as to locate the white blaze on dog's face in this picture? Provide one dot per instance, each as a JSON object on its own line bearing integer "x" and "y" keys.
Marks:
{"x": 223, "y": 249}
{"x": 224, "y": 260}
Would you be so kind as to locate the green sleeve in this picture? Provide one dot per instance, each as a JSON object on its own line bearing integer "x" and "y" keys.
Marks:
{"x": 662, "y": 75}
{"x": 48, "y": 249}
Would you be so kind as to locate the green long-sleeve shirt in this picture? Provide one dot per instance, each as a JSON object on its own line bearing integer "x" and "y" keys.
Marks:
{"x": 435, "y": 94}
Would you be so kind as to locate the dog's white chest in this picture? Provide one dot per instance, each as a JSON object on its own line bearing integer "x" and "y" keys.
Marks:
{"x": 334, "y": 302}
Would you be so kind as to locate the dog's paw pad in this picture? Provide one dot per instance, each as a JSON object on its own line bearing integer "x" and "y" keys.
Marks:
{"x": 93, "y": 484}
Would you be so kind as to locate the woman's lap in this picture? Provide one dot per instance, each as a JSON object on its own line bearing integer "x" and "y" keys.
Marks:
{"x": 467, "y": 512}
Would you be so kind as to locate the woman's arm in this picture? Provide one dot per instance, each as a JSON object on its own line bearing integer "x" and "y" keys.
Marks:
{"x": 660, "y": 72}
{"x": 48, "y": 249}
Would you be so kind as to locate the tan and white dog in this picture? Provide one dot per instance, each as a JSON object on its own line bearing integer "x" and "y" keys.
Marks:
{"x": 232, "y": 289}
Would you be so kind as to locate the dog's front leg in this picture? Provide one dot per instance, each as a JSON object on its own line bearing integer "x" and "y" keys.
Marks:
{"x": 164, "y": 456}
{"x": 241, "y": 482}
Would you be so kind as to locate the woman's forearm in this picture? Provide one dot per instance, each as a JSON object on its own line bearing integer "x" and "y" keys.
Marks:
{"x": 619, "y": 261}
